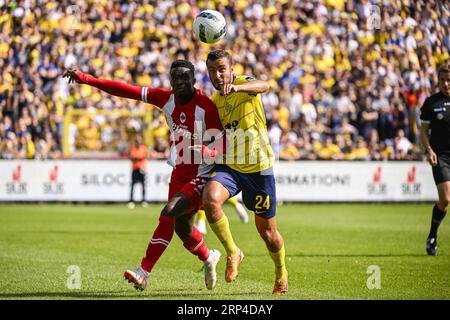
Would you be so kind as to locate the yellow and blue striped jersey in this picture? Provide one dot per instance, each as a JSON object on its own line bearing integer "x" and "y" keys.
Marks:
{"x": 242, "y": 116}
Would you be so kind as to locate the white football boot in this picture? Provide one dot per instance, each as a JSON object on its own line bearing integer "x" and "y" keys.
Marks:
{"x": 139, "y": 277}
{"x": 210, "y": 268}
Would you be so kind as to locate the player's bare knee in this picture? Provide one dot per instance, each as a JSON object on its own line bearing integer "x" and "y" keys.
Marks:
{"x": 272, "y": 239}
{"x": 212, "y": 200}
{"x": 445, "y": 203}
{"x": 268, "y": 235}
{"x": 176, "y": 207}
{"x": 171, "y": 209}
{"x": 166, "y": 211}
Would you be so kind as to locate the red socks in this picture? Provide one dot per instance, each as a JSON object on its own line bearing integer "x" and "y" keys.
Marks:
{"x": 161, "y": 238}
{"x": 195, "y": 244}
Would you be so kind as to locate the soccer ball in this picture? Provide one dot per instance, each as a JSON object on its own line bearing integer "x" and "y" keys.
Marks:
{"x": 210, "y": 26}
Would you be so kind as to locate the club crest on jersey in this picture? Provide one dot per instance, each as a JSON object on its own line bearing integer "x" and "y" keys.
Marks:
{"x": 182, "y": 117}
{"x": 440, "y": 116}
{"x": 228, "y": 107}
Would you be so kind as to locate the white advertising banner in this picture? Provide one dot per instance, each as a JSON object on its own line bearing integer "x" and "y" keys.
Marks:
{"x": 76, "y": 180}
{"x": 317, "y": 181}
{"x": 355, "y": 181}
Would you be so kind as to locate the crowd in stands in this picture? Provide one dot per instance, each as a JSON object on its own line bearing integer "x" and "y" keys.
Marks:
{"x": 347, "y": 78}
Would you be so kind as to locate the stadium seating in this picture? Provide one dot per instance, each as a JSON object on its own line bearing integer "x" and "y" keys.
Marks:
{"x": 348, "y": 78}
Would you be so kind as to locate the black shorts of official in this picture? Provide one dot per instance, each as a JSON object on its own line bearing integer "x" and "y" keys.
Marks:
{"x": 441, "y": 172}
{"x": 138, "y": 176}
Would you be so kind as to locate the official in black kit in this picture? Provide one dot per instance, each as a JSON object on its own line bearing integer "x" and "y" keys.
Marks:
{"x": 435, "y": 138}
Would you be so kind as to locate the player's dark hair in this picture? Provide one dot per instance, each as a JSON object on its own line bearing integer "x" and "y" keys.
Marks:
{"x": 444, "y": 68}
{"x": 183, "y": 64}
{"x": 217, "y": 54}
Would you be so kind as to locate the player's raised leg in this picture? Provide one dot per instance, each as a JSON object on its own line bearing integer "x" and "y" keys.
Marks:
{"x": 160, "y": 240}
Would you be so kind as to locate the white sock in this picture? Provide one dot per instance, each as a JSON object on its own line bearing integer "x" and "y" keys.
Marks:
{"x": 144, "y": 272}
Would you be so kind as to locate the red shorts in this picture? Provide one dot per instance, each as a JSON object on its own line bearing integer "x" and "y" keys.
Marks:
{"x": 191, "y": 187}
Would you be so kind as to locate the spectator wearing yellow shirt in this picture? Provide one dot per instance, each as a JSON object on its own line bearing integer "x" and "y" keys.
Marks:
{"x": 330, "y": 151}
{"x": 138, "y": 48}
{"x": 91, "y": 136}
{"x": 281, "y": 115}
{"x": 29, "y": 146}
{"x": 159, "y": 129}
{"x": 361, "y": 152}
{"x": 315, "y": 142}
{"x": 348, "y": 150}
{"x": 288, "y": 149}
{"x": 386, "y": 151}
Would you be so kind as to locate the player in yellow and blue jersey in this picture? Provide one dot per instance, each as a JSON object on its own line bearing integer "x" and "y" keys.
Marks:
{"x": 247, "y": 165}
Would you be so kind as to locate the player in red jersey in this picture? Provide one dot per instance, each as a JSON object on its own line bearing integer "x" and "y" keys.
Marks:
{"x": 189, "y": 113}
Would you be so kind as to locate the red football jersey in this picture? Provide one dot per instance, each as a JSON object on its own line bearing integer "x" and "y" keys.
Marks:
{"x": 188, "y": 124}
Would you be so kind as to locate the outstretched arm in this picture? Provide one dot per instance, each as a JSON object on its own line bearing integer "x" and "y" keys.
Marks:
{"x": 255, "y": 86}
{"x": 112, "y": 87}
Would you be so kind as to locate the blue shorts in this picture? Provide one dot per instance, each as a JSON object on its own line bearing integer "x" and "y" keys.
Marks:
{"x": 258, "y": 190}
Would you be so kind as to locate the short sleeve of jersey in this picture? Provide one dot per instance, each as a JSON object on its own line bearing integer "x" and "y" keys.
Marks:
{"x": 242, "y": 79}
{"x": 425, "y": 111}
{"x": 155, "y": 96}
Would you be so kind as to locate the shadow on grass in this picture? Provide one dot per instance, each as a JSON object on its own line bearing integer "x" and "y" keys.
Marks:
{"x": 362, "y": 255}
{"x": 170, "y": 295}
{"x": 80, "y": 295}
{"x": 350, "y": 255}
{"x": 77, "y": 232}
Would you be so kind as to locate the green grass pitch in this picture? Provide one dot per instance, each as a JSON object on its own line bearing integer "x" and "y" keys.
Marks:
{"x": 329, "y": 249}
